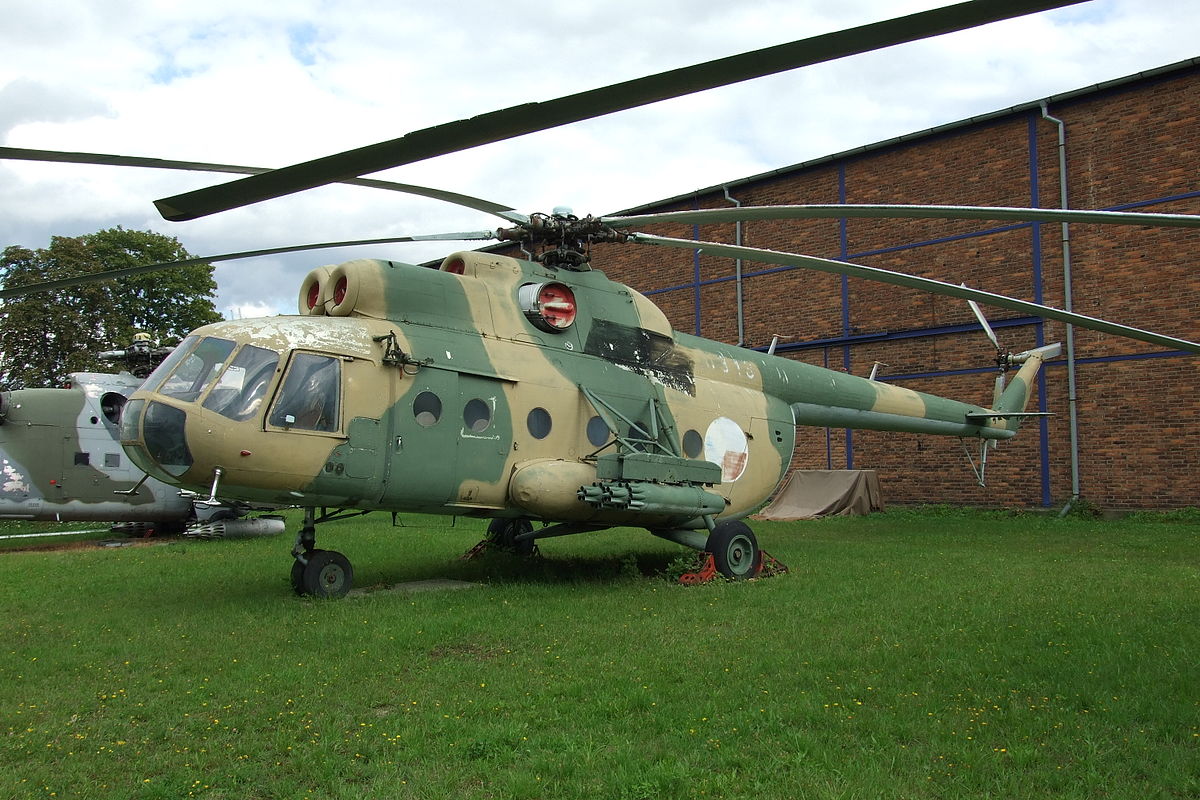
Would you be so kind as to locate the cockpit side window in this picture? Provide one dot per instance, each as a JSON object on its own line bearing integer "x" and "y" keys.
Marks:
{"x": 240, "y": 390}
{"x": 309, "y": 398}
{"x": 188, "y": 380}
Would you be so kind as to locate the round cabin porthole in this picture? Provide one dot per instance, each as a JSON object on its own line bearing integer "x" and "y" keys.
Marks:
{"x": 427, "y": 408}
{"x": 597, "y": 431}
{"x": 693, "y": 444}
{"x": 477, "y": 415}
{"x": 539, "y": 423}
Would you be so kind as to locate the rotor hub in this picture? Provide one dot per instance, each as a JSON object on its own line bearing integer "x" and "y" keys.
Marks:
{"x": 561, "y": 239}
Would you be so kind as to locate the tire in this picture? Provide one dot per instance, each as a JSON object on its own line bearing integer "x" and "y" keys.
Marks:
{"x": 734, "y": 549}
{"x": 502, "y": 533}
{"x": 298, "y": 577}
{"x": 328, "y": 574}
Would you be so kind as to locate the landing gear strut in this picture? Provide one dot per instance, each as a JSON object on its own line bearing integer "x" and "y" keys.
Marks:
{"x": 319, "y": 573}
{"x": 503, "y": 535}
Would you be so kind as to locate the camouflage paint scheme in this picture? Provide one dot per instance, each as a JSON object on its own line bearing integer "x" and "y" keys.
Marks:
{"x": 721, "y": 419}
{"x": 61, "y": 459}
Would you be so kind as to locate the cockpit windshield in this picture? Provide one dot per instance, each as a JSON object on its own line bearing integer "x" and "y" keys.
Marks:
{"x": 240, "y": 390}
{"x": 238, "y": 384}
{"x": 168, "y": 365}
{"x": 202, "y": 368}
{"x": 196, "y": 369}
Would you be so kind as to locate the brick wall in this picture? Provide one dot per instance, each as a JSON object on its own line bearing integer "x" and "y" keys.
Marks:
{"x": 1139, "y": 418}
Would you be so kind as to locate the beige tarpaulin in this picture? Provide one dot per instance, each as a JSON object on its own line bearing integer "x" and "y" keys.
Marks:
{"x": 812, "y": 493}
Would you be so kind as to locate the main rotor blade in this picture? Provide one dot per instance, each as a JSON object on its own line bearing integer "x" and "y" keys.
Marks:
{"x": 837, "y": 211}
{"x": 105, "y": 159}
{"x": 81, "y": 280}
{"x": 531, "y": 117}
{"x": 914, "y": 282}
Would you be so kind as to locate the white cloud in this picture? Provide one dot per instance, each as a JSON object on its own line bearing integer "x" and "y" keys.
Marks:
{"x": 249, "y": 310}
{"x": 272, "y": 84}
{"x": 25, "y": 101}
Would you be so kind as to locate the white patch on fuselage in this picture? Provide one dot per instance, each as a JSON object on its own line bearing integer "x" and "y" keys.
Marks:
{"x": 463, "y": 434}
{"x": 334, "y": 334}
{"x": 647, "y": 374}
{"x": 725, "y": 445}
{"x": 14, "y": 481}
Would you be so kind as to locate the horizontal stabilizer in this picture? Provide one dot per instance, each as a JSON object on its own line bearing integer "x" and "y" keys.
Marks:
{"x": 984, "y": 416}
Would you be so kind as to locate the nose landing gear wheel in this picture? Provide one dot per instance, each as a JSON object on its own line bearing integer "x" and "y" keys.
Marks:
{"x": 327, "y": 574}
{"x": 734, "y": 549}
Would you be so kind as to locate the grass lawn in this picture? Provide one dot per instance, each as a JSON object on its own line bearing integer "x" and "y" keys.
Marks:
{"x": 906, "y": 655}
{"x": 27, "y": 535}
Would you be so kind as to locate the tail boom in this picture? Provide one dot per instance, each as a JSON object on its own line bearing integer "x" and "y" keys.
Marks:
{"x": 822, "y": 398}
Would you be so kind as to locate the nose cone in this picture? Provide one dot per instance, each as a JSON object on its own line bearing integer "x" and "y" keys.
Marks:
{"x": 154, "y": 435}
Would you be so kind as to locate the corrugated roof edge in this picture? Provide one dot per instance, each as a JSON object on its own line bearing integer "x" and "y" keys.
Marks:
{"x": 908, "y": 137}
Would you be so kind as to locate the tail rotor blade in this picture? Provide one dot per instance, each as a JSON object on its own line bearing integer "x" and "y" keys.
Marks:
{"x": 987, "y": 329}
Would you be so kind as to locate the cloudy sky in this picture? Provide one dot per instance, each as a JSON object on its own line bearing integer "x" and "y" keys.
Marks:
{"x": 296, "y": 79}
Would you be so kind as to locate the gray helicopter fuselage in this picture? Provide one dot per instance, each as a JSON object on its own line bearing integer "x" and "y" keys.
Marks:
{"x": 61, "y": 459}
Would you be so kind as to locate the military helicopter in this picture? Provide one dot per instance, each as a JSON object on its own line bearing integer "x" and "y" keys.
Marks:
{"x": 537, "y": 390}
{"x": 61, "y": 459}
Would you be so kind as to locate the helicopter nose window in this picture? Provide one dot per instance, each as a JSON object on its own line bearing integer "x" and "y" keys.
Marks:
{"x": 309, "y": 398}
{"x": 131, "y": 420}
{"x": 242, "y": 386}
{"x": 165, "y": 438}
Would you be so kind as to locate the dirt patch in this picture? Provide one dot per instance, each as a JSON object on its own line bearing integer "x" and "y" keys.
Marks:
{"x": 85, "y": 544}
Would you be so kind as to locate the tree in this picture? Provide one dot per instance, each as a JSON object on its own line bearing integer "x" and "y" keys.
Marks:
{"x": 45, "y": 336}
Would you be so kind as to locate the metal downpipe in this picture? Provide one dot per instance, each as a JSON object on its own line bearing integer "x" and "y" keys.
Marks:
{"x": 1072, "y": 396}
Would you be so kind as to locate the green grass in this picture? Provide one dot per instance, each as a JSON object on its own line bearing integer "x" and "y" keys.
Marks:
{"x": 24, "y": 534}
{"x": 906, "y": 655}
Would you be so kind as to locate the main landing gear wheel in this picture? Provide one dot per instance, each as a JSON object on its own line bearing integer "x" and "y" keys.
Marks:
{"x": 502, "y": 534}
{"x": 327, "y": 574}
{"x": 734, "y": 549}
{"x": 298, "y": 577}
